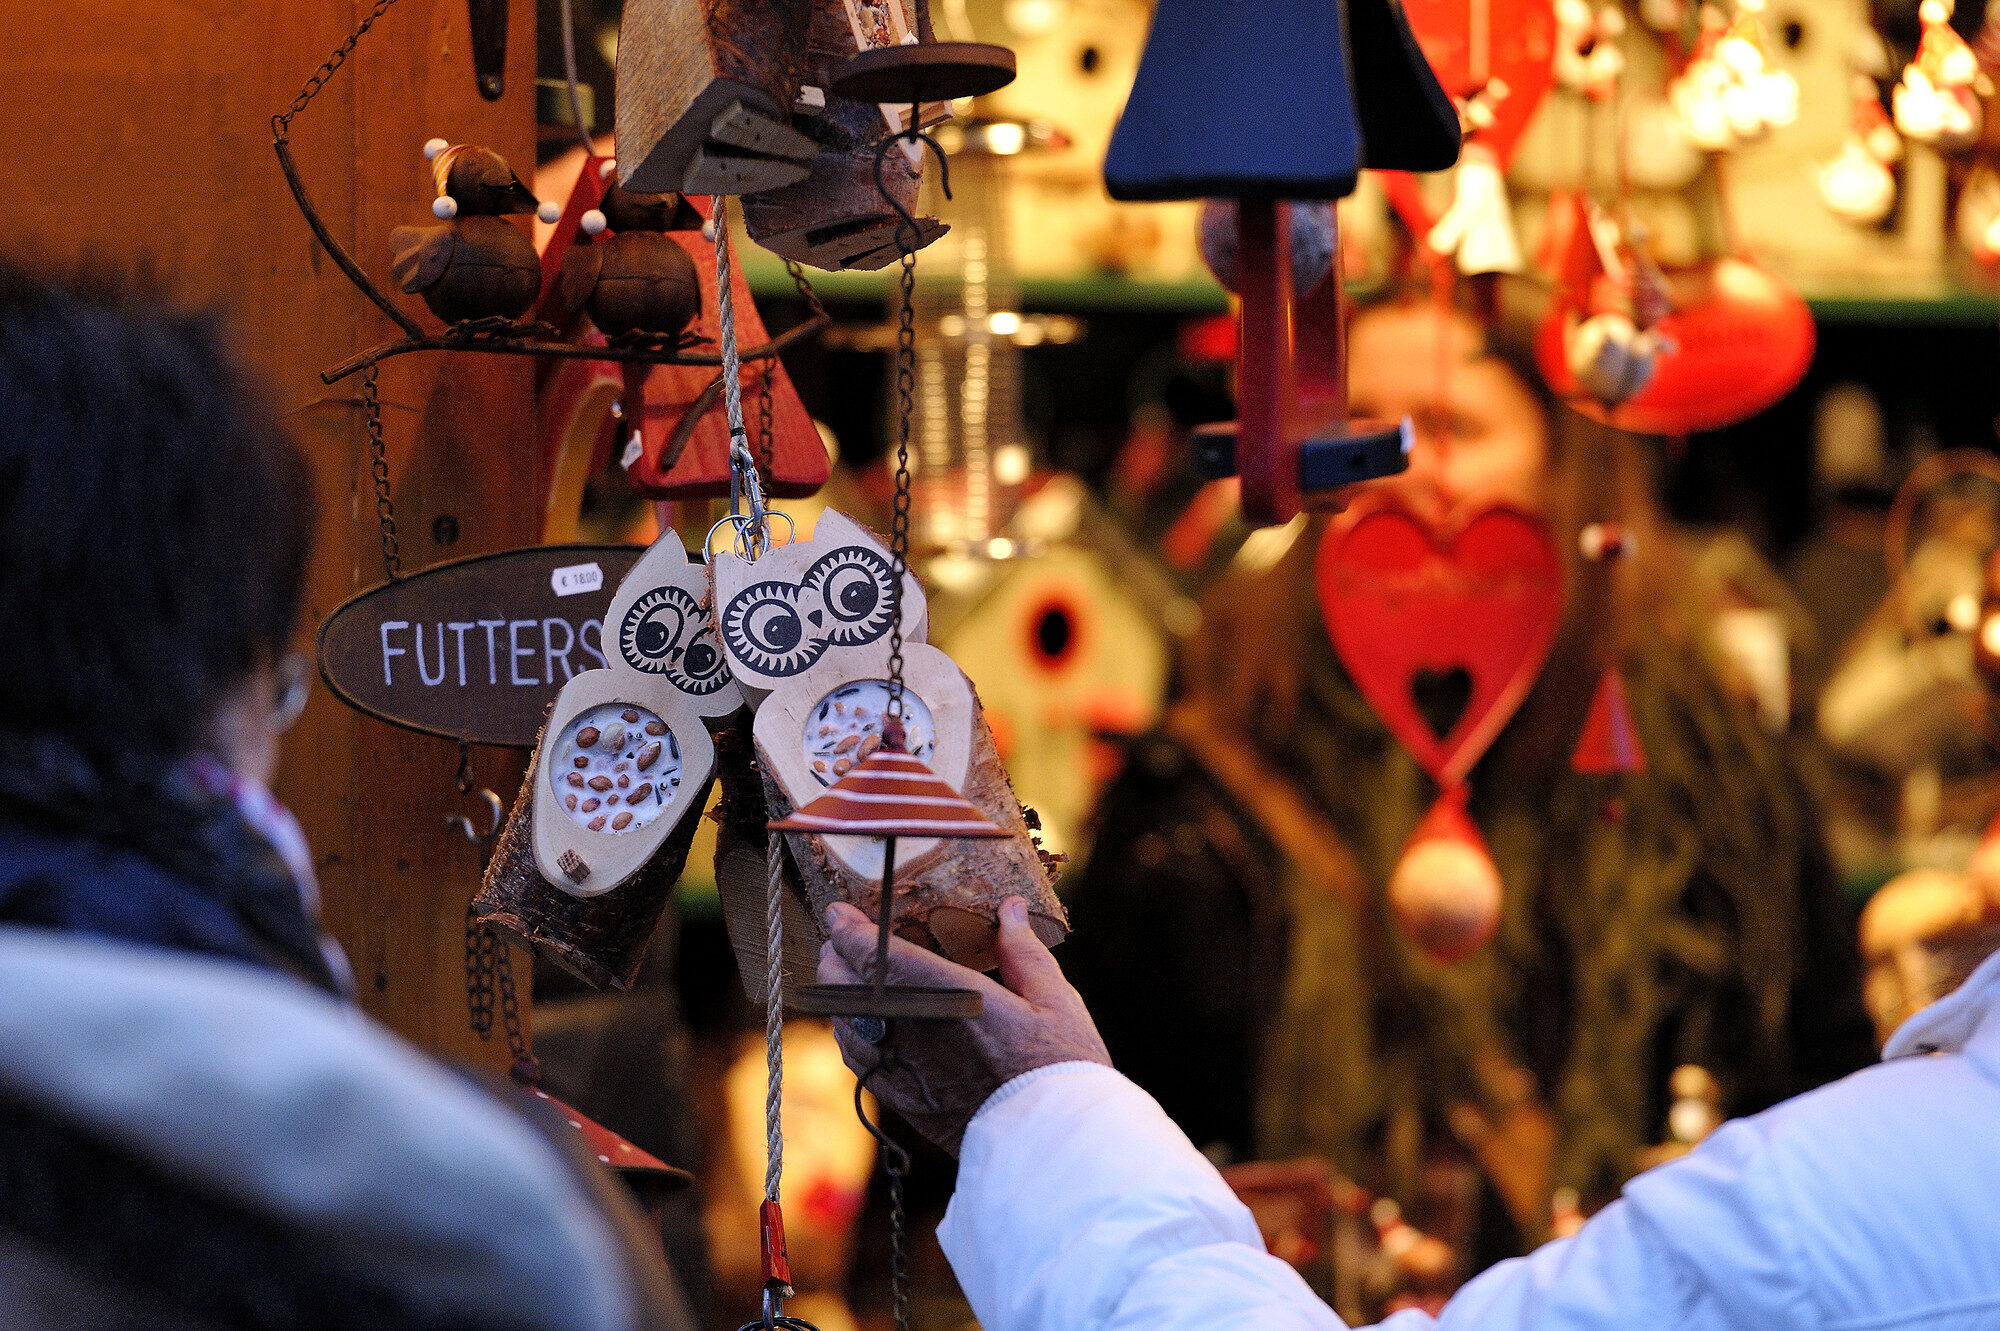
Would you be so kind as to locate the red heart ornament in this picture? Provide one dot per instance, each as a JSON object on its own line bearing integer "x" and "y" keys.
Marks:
{"x": 1741, "y": 339}
{"x": 1402, "y": 603}
{"x": 1482, "y": 46}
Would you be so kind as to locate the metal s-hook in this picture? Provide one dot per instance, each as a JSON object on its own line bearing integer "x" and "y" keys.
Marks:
{"x": 909, "y": 226}
{"x": 496, "y": 812}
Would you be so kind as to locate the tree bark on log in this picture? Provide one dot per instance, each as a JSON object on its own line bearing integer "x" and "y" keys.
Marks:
{"x": 601, "y": 940}
{"x": 835, "y": 218}
{"x": 951, "y": 902}
{"x": 742, "y": 867}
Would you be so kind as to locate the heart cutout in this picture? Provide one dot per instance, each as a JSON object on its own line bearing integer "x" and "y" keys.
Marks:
{"x": 1403, "y": 603}
{"x": 1441, "y": 696}
{"x": 1741, "y": 339}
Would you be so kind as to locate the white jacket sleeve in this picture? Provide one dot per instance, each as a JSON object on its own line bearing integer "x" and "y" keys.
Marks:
{"x": 1081, "y": 1207}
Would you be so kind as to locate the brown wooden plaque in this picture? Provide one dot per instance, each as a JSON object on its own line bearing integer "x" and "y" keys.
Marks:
{"x": 477, "y": 648}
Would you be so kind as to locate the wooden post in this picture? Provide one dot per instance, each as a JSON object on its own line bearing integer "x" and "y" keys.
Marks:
{"x": 156, "y": 122}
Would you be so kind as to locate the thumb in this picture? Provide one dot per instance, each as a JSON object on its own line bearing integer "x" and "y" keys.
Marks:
{"x": 1026, "y": 966}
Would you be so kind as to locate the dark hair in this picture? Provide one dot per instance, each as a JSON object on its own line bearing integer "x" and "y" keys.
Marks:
{"x": 155, "y": 517}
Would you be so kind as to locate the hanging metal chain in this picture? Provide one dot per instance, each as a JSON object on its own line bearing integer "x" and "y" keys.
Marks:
{"x": 896, "y": 1167}
{"x": 282, "y": 122}
{"x": 480, "y": 964}
{"x": 489, "y": 961}
{"x": 899, "y": 525}
{"x": 489, "y": 970}
{"x": 805, "y": 288}
{"x": 378, "y": 461}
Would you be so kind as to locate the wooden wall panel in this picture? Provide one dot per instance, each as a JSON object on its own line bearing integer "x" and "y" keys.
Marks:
{"x": 141, "y": 131}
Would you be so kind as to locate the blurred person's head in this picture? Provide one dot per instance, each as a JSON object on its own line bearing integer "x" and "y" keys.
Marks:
{"x": 155, "y": 521}
{"x": 1482, "y": 422}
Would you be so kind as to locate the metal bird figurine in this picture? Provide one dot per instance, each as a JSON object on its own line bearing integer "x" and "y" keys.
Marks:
{"x": 474, "y": 266}
{"x": 635, "y": 278}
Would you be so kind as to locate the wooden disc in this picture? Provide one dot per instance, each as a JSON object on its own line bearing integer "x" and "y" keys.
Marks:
{"x": 918, "y": 1002}
{"x": 925, "y": 72}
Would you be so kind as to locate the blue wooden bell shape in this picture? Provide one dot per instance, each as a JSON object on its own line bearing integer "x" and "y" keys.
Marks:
{"x": 1277, "y": 99}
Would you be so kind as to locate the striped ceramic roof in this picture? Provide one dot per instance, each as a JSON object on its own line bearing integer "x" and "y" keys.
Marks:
{"x": 891, "y": 794}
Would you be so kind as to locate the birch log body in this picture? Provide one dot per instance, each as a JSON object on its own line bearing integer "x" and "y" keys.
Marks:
{"x": 601, "y": 940}
{"x": 949, "y": 900}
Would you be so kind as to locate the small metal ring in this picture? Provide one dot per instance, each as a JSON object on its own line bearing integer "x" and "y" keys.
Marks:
{"x": 726, "y": 520}
{"x": 740, "y": 546}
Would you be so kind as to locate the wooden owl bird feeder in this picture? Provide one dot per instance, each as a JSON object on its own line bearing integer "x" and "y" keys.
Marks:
{"x": 1289, "y": 105}
{"x": 890, "y": 794}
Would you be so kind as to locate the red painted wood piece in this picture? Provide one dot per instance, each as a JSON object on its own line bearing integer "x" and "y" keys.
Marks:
{"x": 1741, "y": 338}
{"x": 1265, "y": 396}
{"x": 1290, "y": 363}
{"x": 1608, "y": 744}
{"x": 612, "y": 1151}
{"x": 1401, "y": 601}
{"x": 890, "y": 793}
{"x": 664, "y": 393}
{"x": 771, "y": 1231}
{"x": 798, "y": 463}
{"x": 1470, "y": 43}
{"x": 587, "y": 193}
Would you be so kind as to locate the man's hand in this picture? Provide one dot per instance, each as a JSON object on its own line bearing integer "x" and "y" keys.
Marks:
{"x": 943, "y": 1071}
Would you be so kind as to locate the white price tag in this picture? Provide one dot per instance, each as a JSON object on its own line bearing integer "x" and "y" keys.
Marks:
{"x": 635, "y": 448}
{"x": 576, "y": 579}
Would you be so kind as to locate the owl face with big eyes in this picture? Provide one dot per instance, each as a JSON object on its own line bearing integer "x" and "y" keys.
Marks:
{"x": 665, "y": 632}
{"x": 779, "y": 629}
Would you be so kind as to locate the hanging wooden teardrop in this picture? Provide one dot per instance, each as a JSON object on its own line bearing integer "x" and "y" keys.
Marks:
{"x": 1609, "y": 745}
{"x": 1445, "y": 890}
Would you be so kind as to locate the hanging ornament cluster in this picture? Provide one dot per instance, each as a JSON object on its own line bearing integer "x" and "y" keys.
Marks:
{"x": 1445, "y": 890}
{"x": 1588, "y": 59}
{"x": 1731, "y": 341}
{"x": 1978, "y": 215}
{"x": 1497, "y": 72}
{"x": 1729, "y": 95}
{"x": 1609, "y": 305}
{"x": 1936, "y": 101}
{"x": 1478, "y": 228}
{"x": 1860, "y": 183}
{"x": 1444, "y": 633}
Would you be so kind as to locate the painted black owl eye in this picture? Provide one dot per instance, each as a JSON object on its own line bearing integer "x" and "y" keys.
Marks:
{"x": 652, "y": 631}
{"x": 763, "y": 630}
{"x": 700, "y": 669}
{"x": 857, "y": 587}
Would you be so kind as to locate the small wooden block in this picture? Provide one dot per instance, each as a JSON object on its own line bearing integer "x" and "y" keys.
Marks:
{"x": 925, "y": 72}
{"x": 909, "y": 1001}
{"x": 740, "y": 127}
{"x": 860, "y": 246}
{"x": 714, "y": 171}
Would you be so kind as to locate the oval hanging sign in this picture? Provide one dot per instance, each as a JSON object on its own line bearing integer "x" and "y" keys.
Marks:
{"x": 475, "y": 649}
